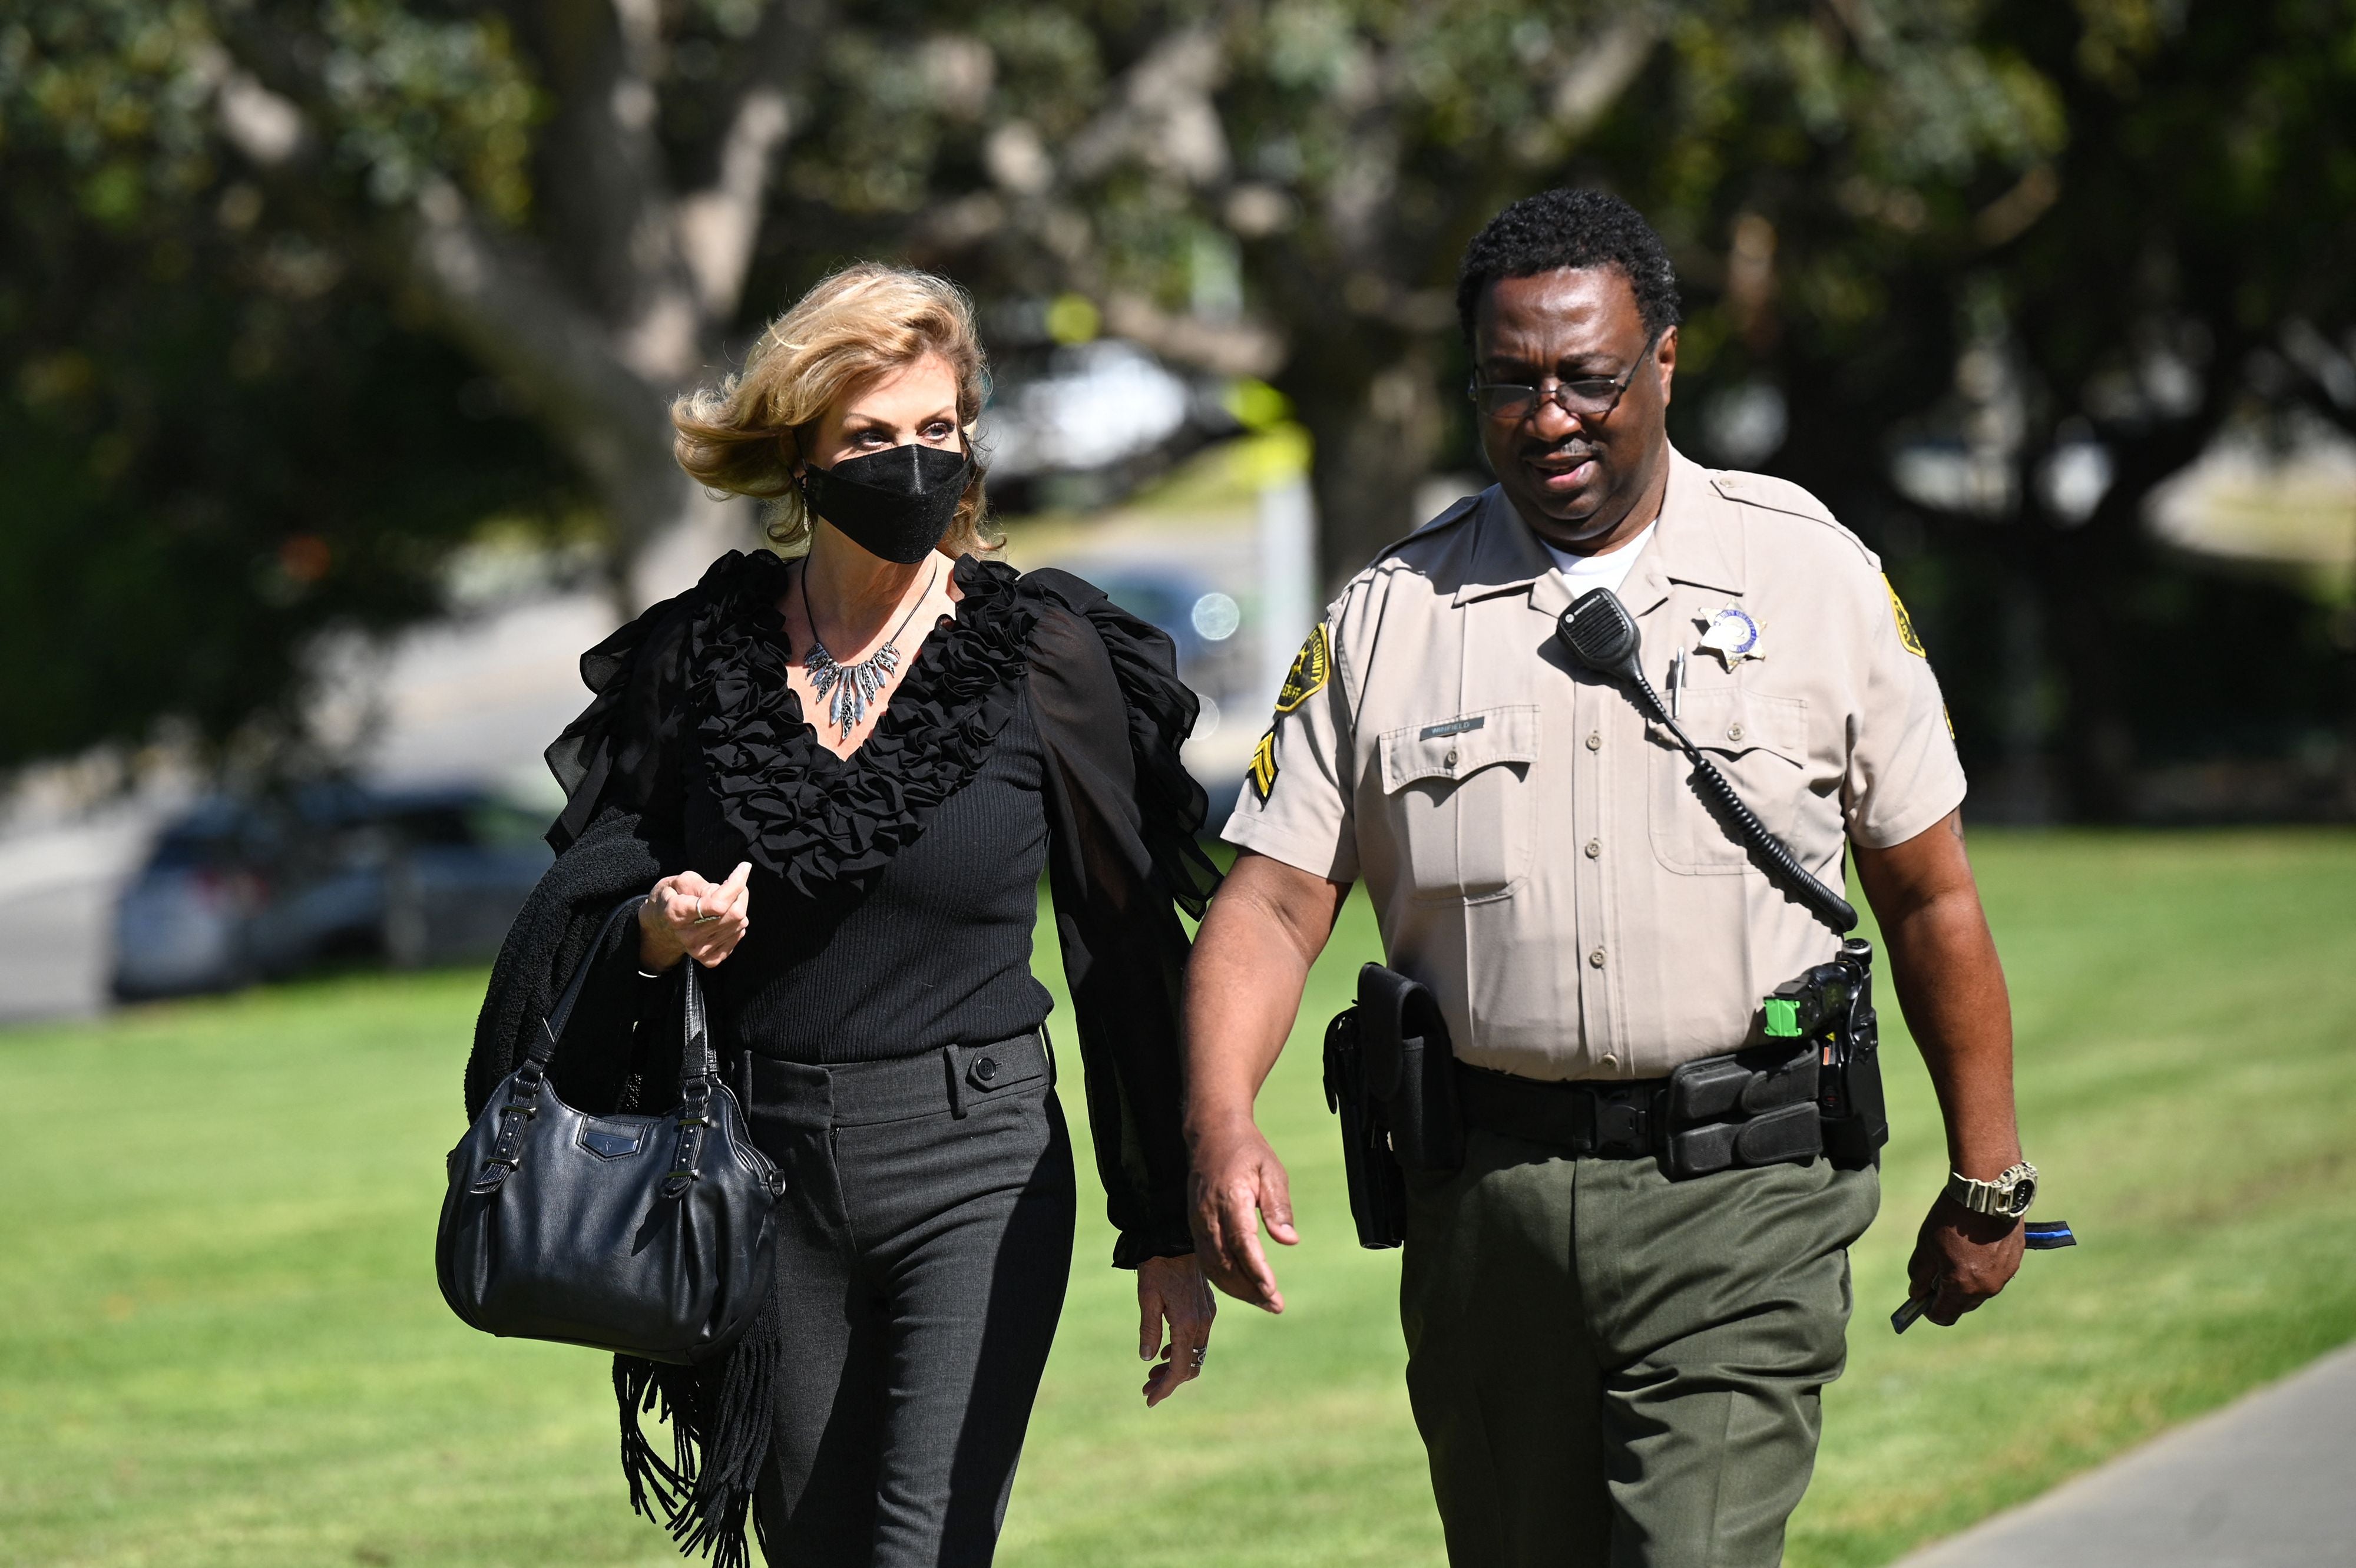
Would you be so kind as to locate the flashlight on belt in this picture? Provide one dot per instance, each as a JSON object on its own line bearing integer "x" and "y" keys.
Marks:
{"x": 2041, "y": 1236}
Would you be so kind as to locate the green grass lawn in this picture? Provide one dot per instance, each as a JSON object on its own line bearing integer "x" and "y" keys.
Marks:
{"x": 220, "y": 1341}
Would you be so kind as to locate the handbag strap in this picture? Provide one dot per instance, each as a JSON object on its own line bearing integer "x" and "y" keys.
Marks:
{"x": 699, "y": 1070}
{"x": 531, "y": 1073}
{"x": 551, "y": 1025}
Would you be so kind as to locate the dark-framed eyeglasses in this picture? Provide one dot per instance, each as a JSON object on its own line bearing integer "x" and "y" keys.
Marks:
{"x": 1588, "y": 397}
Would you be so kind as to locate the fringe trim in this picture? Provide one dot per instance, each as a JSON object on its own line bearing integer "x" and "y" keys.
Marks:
{"x": 654, "y": 1486}
{"x": 720, "y": 1418}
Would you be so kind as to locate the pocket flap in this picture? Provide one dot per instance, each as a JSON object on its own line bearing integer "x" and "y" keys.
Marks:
{"x": 1730, "y": 720}
{"x": 1457, "y": 748}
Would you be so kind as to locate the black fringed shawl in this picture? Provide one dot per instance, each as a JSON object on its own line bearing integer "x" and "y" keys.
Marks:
{"x": 693, "y": 737}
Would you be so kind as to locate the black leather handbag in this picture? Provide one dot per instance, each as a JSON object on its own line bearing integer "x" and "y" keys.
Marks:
{"x": 648, "y": 1236}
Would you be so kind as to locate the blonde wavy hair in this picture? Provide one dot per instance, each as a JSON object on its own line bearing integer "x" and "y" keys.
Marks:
{"x": 745, "y": 435}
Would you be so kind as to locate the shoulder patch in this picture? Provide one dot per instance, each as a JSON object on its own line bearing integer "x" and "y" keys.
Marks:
{"x": 1906, "y": 637}
{"x": 1312, "y": 667}
{"x": 1262, "y": 771}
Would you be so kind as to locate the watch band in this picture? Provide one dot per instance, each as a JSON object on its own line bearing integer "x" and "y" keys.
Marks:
{"x": 2007, "y": 1197}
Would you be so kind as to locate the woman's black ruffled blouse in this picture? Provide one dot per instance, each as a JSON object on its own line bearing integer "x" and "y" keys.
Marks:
{"x": 695, "y": 749}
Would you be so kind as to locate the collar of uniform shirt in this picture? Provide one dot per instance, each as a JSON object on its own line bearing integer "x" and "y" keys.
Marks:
{"x": 1608, "y": 570}
{"x": 1698, "y": 544}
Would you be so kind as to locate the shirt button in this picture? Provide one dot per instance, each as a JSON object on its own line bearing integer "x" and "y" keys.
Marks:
{"x": 1594, "y": 848}
{"x": 1611, "y": 1061}
{"x": 1594, "y": 740}
{"x": 1734, "y": 732}
{"x": 1595, "y": 958}
{"x": 1451, "y": 759}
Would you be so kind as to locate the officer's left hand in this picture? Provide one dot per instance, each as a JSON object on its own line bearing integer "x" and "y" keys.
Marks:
{"x": 1961, "y": 1259}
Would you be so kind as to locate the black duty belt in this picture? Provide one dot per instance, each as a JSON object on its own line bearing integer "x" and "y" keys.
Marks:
{"x": 1611, "y": 1121}
{"x": 1737, "y": 1112}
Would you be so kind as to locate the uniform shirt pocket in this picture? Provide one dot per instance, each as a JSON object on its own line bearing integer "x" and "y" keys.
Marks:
{"x": 1458, "y": 793}
{"x": 1759, "y": 743}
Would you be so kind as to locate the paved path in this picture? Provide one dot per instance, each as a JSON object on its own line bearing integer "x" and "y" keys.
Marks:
{"x": 2267, "y": 1482}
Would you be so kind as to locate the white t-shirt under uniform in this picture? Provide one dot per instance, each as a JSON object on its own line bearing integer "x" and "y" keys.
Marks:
{"x": 1585, "y": 574}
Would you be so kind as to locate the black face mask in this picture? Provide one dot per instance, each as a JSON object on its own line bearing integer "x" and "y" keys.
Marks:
{"x": 895, "y": 503}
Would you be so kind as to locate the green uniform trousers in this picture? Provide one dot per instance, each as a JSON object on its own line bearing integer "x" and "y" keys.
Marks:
{"x": 1610, "y": 1368}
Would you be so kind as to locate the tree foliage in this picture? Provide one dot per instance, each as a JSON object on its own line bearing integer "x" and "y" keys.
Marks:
{"x": 2172, "y": 270}
{"x": 2003, "y": 228}
{"x": 217, "y": 445}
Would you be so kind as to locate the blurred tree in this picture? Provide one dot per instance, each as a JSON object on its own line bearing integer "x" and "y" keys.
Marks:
{"x": 579, "y": 190}
{"x": 1945, "y": 258}
{"x": 1284, "y": 188}
{"x": 2192, "y": 271}
{"x": 2038, "y": 356}
{"x": 216, "y": 446}
{"x": 509, "y": 173}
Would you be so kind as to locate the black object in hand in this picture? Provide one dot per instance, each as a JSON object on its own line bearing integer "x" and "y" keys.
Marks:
{"x": 2044, "y": 1236}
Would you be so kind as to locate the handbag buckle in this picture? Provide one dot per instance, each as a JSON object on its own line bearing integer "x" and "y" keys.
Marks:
{"x": 494, "y": 1174}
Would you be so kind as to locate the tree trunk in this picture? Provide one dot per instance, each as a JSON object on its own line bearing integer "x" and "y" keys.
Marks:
{"x": 1375, "y": 431}
{"x": 2082, "y": 585}
{"x": 692, "y": 532}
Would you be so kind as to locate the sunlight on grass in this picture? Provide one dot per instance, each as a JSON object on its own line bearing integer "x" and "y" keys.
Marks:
{"x": 223, "y": 1345}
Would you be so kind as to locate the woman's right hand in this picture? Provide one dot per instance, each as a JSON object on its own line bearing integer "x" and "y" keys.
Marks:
{"x": 687, "y": 916}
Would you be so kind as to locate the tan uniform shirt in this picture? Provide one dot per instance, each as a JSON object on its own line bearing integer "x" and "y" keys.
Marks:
{"x": 1534, "y": 850}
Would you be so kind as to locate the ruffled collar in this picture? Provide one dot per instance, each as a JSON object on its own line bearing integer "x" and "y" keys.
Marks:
{"x": 829, "y": 824}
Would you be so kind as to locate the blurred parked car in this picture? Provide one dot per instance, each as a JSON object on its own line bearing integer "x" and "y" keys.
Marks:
{"x": 463, "y": 865}
{"x": 185, "y": 921}
{"x": 239, "y": 890}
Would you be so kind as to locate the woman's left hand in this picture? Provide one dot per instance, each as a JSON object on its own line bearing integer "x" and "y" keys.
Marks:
{"x": 1173, "y": 1289}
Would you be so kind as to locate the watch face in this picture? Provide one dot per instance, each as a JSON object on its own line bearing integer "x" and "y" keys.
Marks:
{"x": 2024, "y": 1193}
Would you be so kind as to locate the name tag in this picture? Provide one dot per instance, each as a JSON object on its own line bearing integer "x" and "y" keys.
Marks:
{"x": 1453, "y": 726}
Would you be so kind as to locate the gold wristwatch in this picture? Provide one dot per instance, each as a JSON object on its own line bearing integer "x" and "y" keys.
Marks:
{"x": 2007, "y": 1197}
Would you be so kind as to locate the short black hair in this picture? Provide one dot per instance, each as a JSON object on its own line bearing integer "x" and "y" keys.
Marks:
{"x": 1557, "y": 229}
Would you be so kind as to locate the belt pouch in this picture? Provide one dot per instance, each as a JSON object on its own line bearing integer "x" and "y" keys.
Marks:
{"x": 1411, "y": 1069}
{"x": 1856, "y": 1121}
{"x": 1752, "y": 1108}
{"x": 1377, "y": 1189}
{"x": 1831, "y": 1007}
{"x": 1854, "y": 1137}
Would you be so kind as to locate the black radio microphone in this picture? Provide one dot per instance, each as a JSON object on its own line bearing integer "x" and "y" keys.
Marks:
{"x": 1598, "y": 634}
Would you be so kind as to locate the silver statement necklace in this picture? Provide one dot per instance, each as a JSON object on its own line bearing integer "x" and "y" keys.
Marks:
{"x": 846, "y": 689}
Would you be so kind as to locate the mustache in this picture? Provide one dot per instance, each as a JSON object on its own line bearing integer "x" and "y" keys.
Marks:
{"x": 1567, "y": 451}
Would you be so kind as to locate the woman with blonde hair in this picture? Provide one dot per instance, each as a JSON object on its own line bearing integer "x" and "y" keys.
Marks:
{"x": 876, "y": 741}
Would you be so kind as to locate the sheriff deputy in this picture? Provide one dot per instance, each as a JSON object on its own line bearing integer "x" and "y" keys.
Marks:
{"x": 1607, "y": 1366}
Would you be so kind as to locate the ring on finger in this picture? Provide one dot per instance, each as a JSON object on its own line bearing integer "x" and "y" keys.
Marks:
{"x": 1202, "y": 1353}
{"x": 705, "y": 919}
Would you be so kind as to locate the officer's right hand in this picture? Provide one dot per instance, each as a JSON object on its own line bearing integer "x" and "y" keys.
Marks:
{"x": 1238, "y": 1182}
{"x": 1961, "y": 1260}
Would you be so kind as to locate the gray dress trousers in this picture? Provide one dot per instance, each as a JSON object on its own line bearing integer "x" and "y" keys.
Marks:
{"x": 924, "y": 1244}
